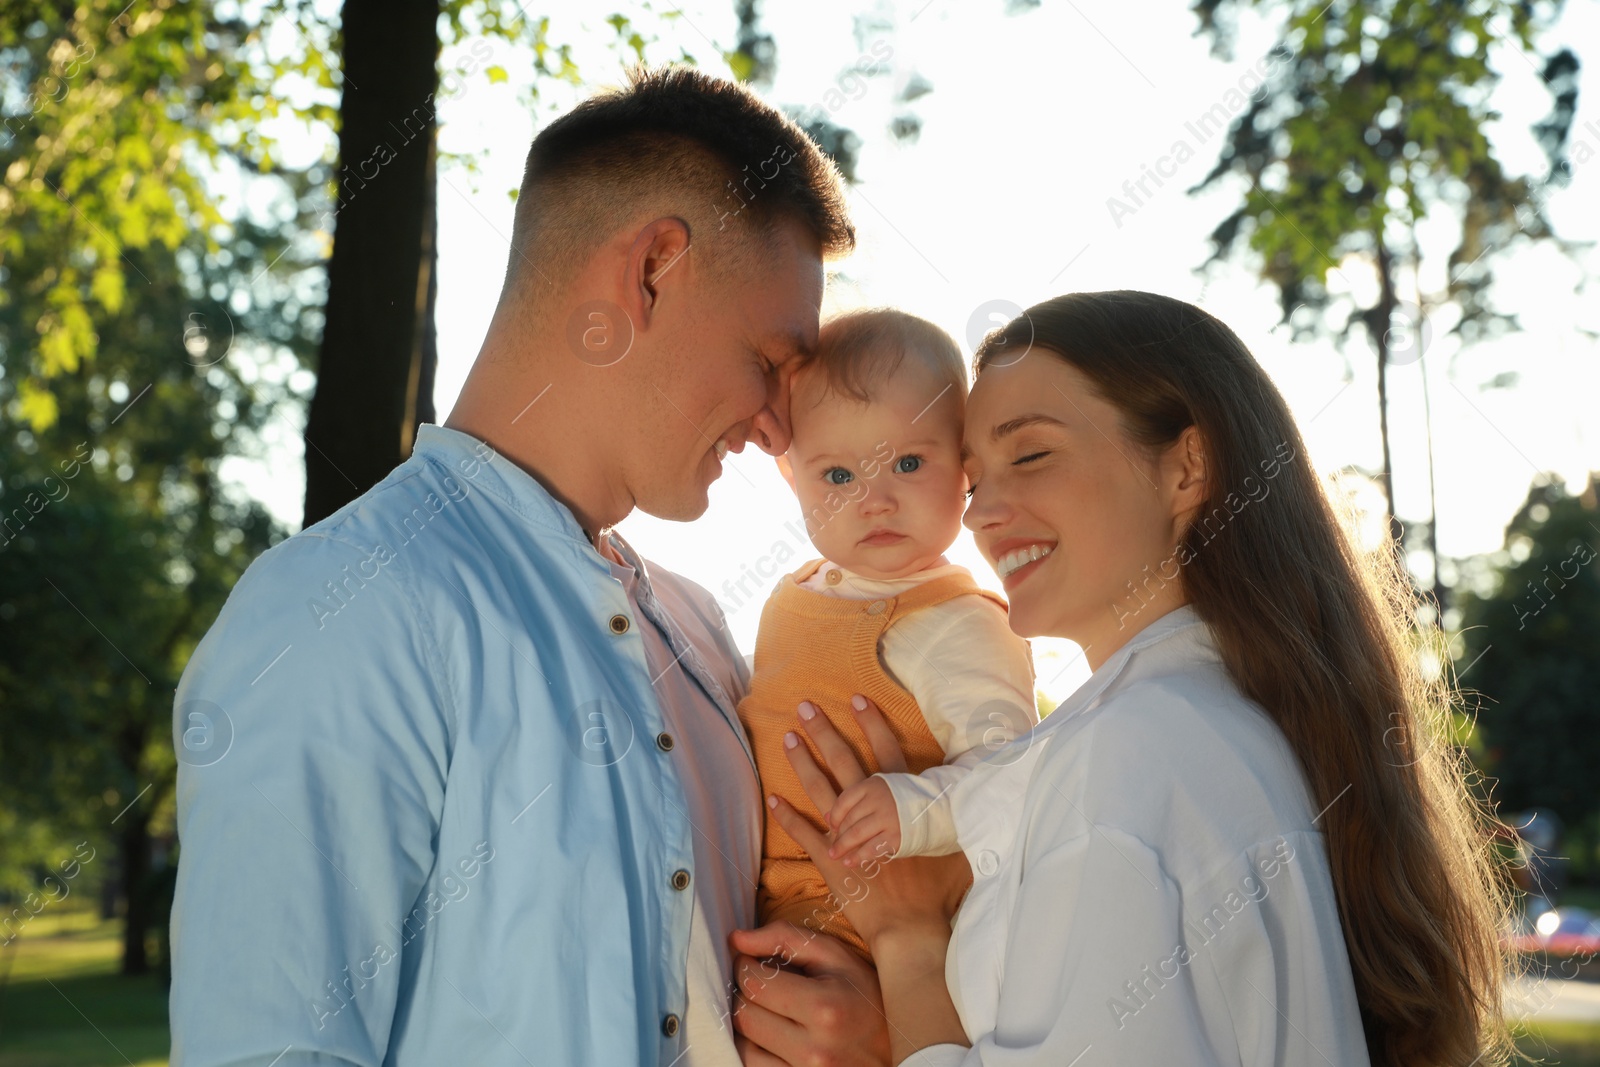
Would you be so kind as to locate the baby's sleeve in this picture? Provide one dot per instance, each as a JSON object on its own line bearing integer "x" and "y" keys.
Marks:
{"x": 973, "y": 680}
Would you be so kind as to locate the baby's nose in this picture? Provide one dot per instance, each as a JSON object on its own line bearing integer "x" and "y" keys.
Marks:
{"x": 877, "y": 501}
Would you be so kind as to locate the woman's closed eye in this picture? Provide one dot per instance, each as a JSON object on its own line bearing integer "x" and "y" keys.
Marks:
{"x": 972, "y": 482}
{"x": 972, "y": 486}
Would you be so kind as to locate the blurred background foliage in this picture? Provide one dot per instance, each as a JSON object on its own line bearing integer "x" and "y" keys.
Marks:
{"x": 1530, "y": 646}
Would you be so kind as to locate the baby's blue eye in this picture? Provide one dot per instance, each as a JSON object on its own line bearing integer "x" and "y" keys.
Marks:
{"x": 838, "y": 476}
{"x": 907, "y": 464}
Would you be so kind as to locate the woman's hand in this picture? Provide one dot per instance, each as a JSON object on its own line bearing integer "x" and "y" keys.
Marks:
{"x": 901, "y": 907}
{"x": 882, "y": 896}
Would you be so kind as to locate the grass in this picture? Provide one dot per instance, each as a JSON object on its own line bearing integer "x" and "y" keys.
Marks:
{"x": 1554, "y": 1043}
{"x": 64, "y": 1005}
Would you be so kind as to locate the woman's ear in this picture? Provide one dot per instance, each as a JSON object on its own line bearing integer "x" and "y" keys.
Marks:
{"x": 1186, "y": 472}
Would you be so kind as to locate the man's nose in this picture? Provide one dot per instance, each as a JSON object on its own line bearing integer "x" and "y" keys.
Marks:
{"x": 770, "y": 432}
{"x": 770, "y": 429}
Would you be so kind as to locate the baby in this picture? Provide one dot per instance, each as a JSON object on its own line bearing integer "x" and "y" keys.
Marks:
{"x": 876, "y": 465}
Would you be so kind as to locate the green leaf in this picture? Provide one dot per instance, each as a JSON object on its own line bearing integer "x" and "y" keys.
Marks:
{"x": 107, "y": 287}
{"x": 37, "y": 405}
{"x": 741, "y": 64}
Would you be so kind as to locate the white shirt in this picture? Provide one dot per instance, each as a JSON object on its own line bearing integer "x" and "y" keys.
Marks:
{"x": 720, "y": 789}
{"x": 1150, "y": 886}
{"x": 972, "y": 678}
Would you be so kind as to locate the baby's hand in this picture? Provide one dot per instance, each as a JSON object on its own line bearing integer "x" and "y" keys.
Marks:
{"x": 865, "y": 822}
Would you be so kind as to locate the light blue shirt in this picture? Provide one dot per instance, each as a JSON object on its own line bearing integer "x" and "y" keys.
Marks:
{"x": 428, "y": 809}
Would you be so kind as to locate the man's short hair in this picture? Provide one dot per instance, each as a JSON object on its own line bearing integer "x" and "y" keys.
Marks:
{"x": 672, "y": 142}
{"x": 858, "y": 351}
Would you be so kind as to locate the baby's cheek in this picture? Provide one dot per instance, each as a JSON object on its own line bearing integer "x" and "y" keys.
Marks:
{"x": 834, "y": 538}
{"x": 822, "y": 509}
{"x": 950, "y": 504}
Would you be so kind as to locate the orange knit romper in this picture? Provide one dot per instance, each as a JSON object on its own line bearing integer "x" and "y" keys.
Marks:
{"x": 821, "y": 648}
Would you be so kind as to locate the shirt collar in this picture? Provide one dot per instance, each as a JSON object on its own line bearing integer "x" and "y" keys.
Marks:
{"x": 496, "y": 475}
{"x": 1181, "y": 625}
{"x": 622, "y": 552}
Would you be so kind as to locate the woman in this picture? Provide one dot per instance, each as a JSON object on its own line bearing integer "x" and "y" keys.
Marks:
{"x": 1239, "y": 841}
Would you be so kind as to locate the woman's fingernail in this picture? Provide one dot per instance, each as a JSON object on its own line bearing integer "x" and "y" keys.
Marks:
{"x": 858, "y": 702}
{"x": 808, "y": 710}
{"x": 790, "y": 739}
{"x": 772, "y": 801}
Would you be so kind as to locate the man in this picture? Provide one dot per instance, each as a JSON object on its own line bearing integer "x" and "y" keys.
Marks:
{"x": 462, "y": 779}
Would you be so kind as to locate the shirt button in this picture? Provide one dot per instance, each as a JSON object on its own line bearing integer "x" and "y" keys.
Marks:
{"x": 988, "y": 863}
{"x": 876, "y": 607}
{"x": 619, "y": 624}
{"x": 834, "y": 575}
{"x": 664, "y": 742}
{"x": 680, "y": 880}
{"x": 669, "y": 1026}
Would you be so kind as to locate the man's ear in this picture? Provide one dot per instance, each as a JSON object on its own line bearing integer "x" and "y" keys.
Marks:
{"x": 654, "y": 256}
{"x": 786, "y": 469}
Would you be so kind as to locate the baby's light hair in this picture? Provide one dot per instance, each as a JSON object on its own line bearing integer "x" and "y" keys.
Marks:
{"x": 858, "y": 351}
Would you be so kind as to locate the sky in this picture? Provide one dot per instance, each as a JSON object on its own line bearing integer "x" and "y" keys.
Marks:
{"x": 1031, "y": 124}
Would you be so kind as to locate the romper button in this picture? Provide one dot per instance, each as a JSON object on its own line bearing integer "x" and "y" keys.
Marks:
{"x": 988, "y": 863}
{"x": 834, "y": 575}
{"x": 876, "y": 607}
{"x": 619, "y": 624}
{"x": 680, "y": 880}
{"x": 669, "y": 1026}
{"x": 664, "y": 742}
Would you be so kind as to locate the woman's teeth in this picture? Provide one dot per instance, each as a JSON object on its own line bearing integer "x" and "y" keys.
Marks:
{"x": 722, "y": 449}
{"x": 1020, "y": 557}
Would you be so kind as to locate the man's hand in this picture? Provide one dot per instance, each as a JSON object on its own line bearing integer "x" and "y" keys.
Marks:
{"x": 865, "y": 822}
{"x": 804, "y": 998}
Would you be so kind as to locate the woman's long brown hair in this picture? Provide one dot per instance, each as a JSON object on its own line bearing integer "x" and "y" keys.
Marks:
{"x": 1323, "y": 637}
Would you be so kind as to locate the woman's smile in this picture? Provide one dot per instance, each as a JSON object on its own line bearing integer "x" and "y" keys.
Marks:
{"x": 1015, "y": 559}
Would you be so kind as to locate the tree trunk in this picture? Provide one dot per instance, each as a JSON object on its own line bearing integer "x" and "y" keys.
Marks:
{"x": 1383, "y": 318}
{"x": 133, "y": 855}
{"x": 419, "y": 393}
{"x": 1441, "y": 592}
{"x": 374, "y": 380}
